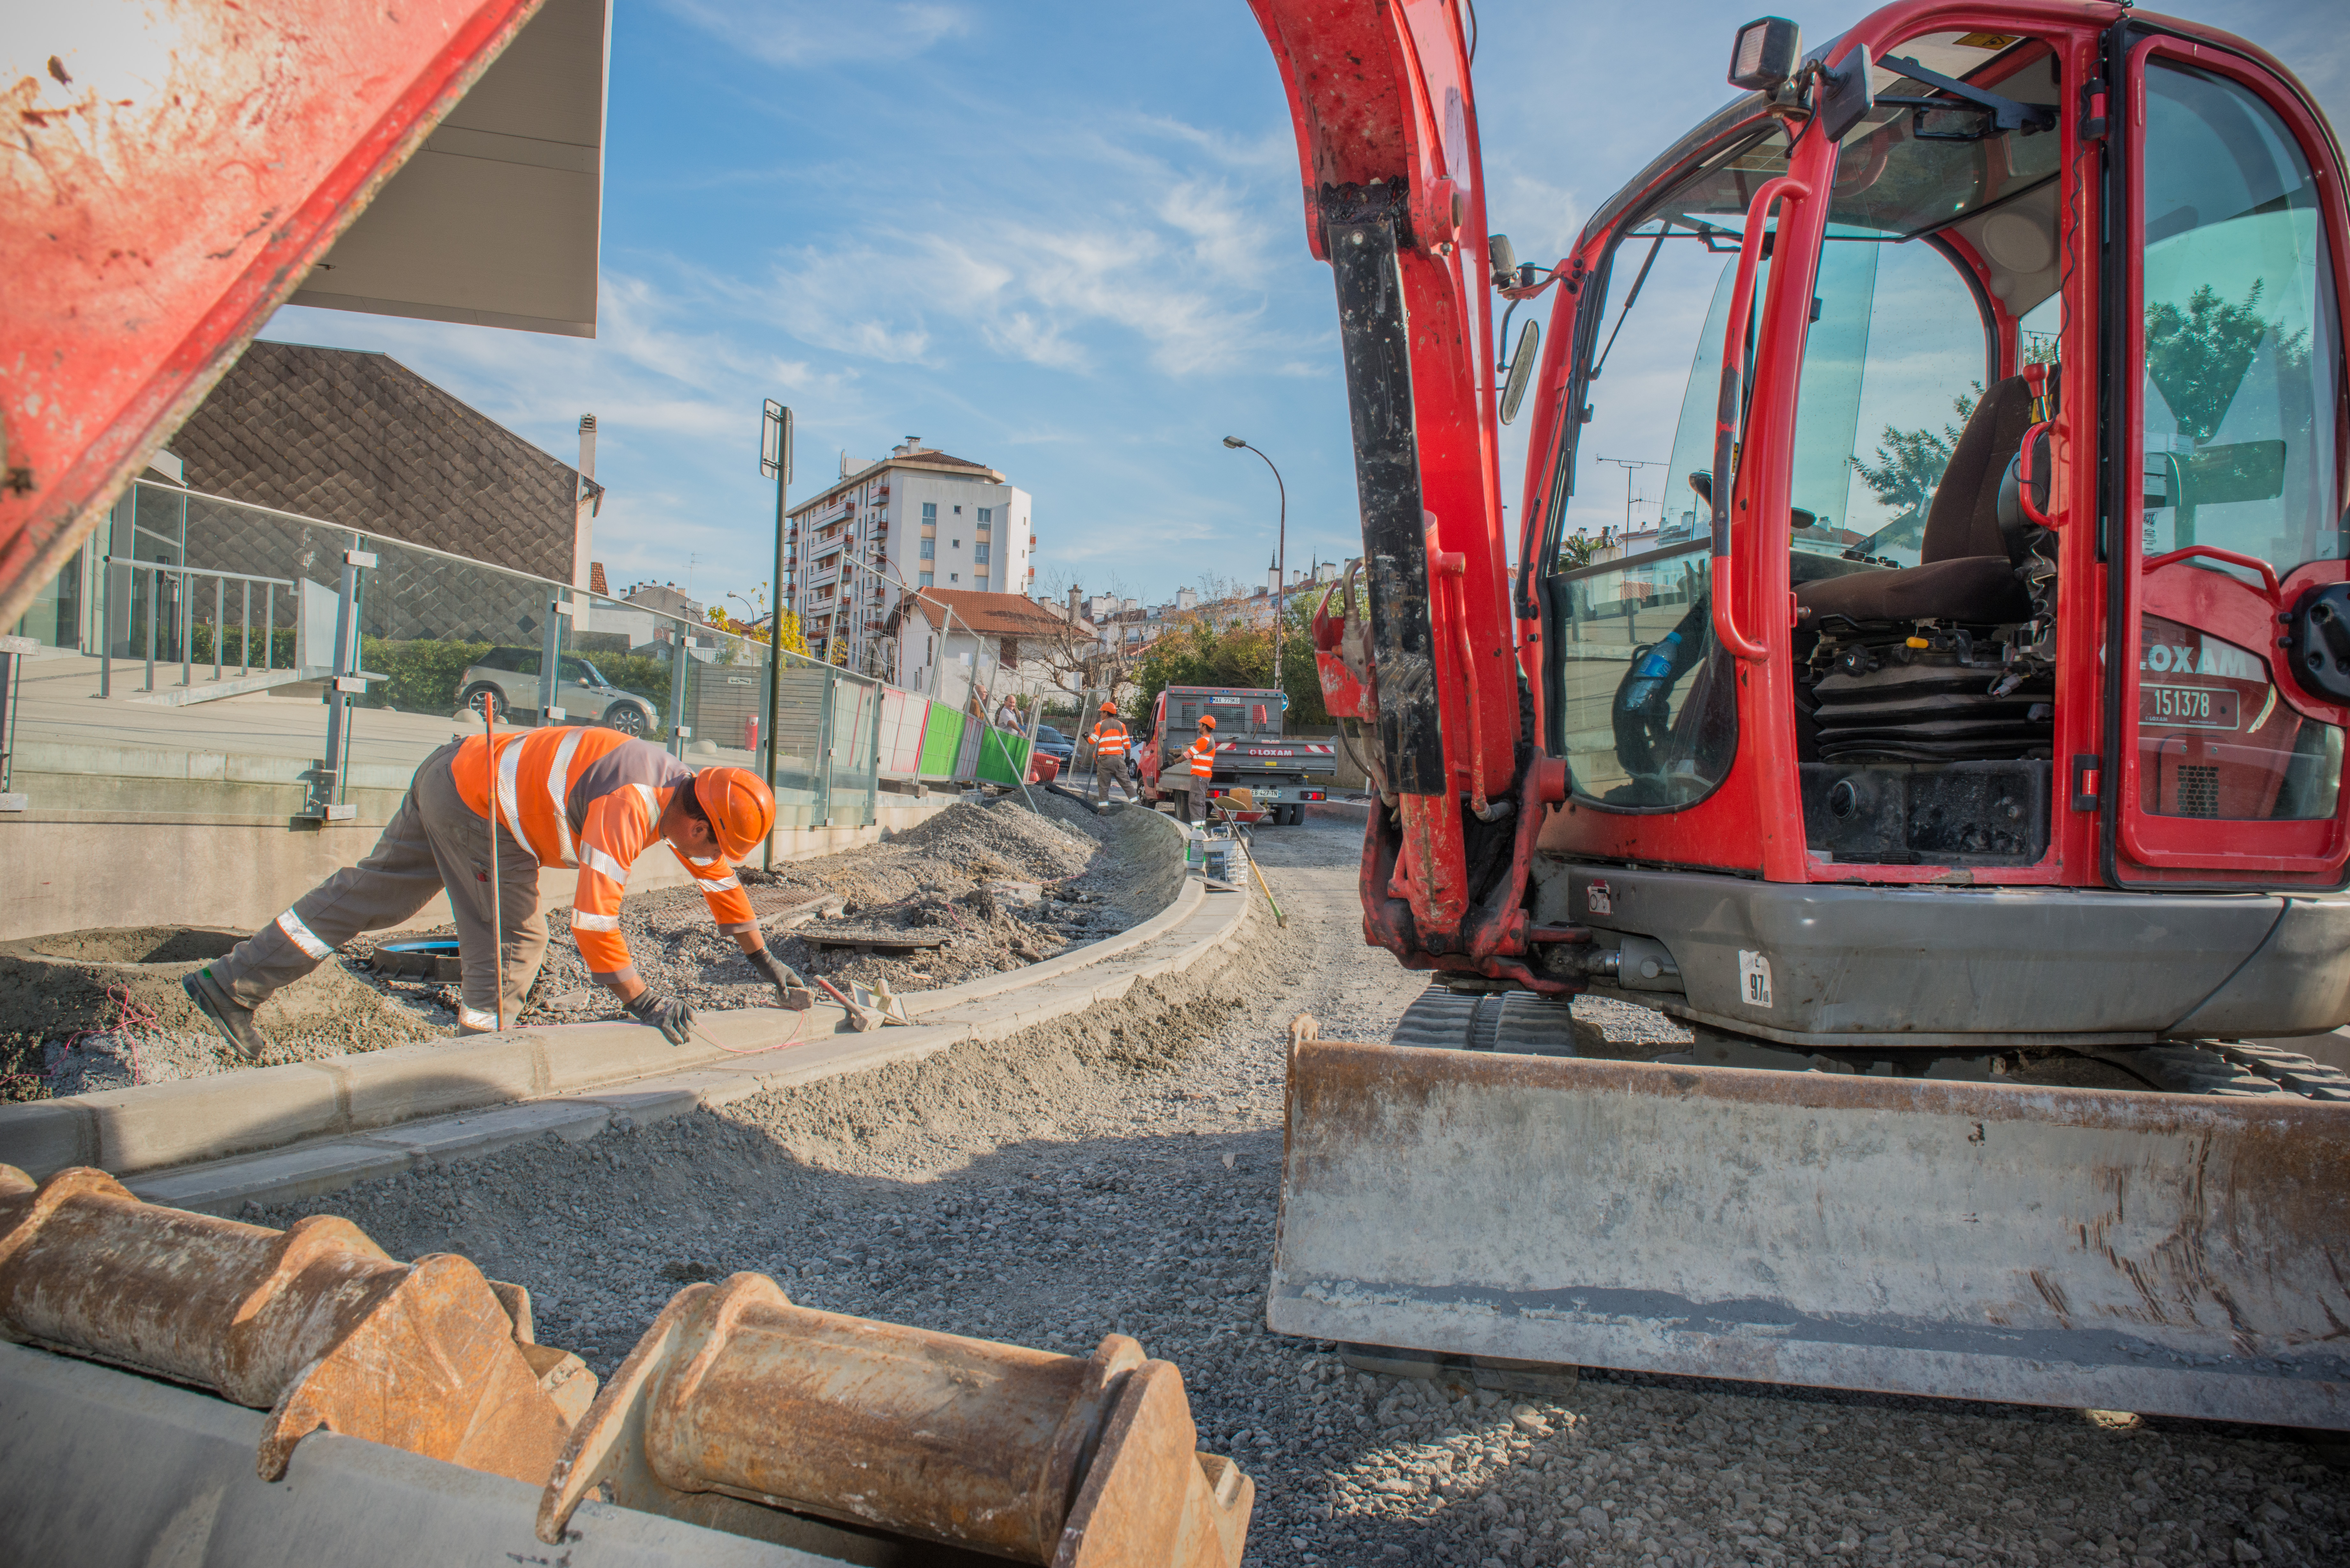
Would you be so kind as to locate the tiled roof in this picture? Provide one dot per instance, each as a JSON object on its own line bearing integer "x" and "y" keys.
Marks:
{"x": 360, "y": 439}
{"x": 994, "y": 615}
{"x": 595, "y": 583}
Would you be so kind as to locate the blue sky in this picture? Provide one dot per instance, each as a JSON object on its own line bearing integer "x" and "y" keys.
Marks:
{"x": 1061, "y": 239}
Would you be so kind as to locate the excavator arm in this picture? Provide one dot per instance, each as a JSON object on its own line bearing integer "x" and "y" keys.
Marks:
{"x": 1386, "y": 146}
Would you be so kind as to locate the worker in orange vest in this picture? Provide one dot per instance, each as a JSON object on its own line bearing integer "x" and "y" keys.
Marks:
{"x": 1110, "y": 761}
{"x": 564, "y": 796}
{"x": 1200, "y": 756}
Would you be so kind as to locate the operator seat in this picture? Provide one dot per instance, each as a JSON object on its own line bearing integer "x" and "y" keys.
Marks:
{"x": 1963, "y": 572}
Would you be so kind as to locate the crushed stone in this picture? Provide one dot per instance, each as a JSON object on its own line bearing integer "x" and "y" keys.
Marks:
{"x": 1117, "y": 1172}
{"x": 1005, "y": 886}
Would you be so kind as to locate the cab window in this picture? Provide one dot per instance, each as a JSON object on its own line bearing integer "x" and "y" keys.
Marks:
{"x": 2241, "y": 342}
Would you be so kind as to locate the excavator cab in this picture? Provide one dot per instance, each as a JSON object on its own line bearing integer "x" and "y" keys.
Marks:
{"x": 1956, "y": 752}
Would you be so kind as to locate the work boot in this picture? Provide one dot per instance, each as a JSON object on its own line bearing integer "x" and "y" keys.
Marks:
{"x": 234, "y": 1019}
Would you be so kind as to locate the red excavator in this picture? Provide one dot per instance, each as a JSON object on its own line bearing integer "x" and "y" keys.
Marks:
{"x": 1959, "y": 764}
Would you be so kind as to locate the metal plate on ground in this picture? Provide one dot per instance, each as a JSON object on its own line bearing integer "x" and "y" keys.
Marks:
{"x": 874, "y": 941}
{"x": 2082, "y": 1248}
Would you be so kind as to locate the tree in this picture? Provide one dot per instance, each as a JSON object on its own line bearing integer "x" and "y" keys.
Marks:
{"x": 1909, "y": 465}
{"x": 2197, "y": 357}
{"x": 1574, "y": 551}
{"x": 753, "y": 627}
{"x": 1206, "y": 647}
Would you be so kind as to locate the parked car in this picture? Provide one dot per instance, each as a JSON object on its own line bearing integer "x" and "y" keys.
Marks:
{"x": 1056, "y": 745}
{"x": 511, "y": 674}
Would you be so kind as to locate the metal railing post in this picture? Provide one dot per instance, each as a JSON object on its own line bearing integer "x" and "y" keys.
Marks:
{"x": 106, "y": 626}
{"x": 325, "y": 791}
{"x": 821, "y": 783}
{"x": 183, "y": 613}
{"x": 679, "y": 731}
{"x": 269, "y": 625}
{"x": 219, "y": 615}
{"x": 154, "y": 591}
{"x": 245, "y": 633}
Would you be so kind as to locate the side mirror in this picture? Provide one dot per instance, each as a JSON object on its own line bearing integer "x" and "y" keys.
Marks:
{"x": 1522, "y": 369}
{"x": 1848, "y": 94}
{"x": 1501, "y": 260}
{"x": 1701, "y": 482}
{"x": 1765, "y": 54}
{"x": 1799, "y": 518}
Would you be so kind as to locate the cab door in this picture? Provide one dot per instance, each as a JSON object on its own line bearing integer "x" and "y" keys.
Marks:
{"x": 2225, "y": 465}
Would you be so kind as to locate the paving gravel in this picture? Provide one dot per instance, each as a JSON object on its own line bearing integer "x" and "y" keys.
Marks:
{"x": 1118, "y": 1171}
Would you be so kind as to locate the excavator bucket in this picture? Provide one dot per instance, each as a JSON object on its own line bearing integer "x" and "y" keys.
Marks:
{"x": 2174, "y": 1254}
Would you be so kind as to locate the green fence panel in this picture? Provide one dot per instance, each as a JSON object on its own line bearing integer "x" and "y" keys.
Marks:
{"x": 942, "y": 738}
{"x": 1003, "y": 757}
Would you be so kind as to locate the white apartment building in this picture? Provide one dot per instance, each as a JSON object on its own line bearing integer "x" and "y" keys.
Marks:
{"x": 916, "y": 519}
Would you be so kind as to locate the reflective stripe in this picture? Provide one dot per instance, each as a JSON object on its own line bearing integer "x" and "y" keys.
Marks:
{"x": 697, "y": 860}
{"x": 595, "y": 859}
{"x": 509, "y": 766}
{"x": 302, "y": 936}
{"x": 582, "y": 922}
{"x": 653, "y": 804}
{"x": 718, "y": 884}
{"x": 474, "y": 1019}
{"x": 558, "y": 786}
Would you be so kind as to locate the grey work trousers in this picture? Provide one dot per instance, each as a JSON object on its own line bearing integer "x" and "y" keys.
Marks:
{"x": 433, "y": 841}
{"x": 1111, "y": 767}
{"x": 1195, "y": 804}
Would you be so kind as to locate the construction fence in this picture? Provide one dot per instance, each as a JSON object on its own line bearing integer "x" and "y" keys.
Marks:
{"x": 195, "y": 624}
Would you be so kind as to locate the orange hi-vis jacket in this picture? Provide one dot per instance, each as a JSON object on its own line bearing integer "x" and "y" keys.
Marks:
{"x": 593, "y": 798}
{"x": 1202, "y": 753}
{"x": 1110, "y": 735}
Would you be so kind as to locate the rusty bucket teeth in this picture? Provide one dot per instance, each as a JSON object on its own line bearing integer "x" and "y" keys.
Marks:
{"x": 314, "y": 1324}
{"x": 738, "y": 1405}
{"x": 737, "y": 1411}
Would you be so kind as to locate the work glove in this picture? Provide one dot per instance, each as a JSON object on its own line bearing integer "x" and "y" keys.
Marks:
{"x": 673, "y": 1018}
{"x": 794, "y": 991}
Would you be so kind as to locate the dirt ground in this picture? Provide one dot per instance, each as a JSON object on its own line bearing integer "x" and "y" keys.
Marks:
{"x": 1118, "y": 1171}
{"x": 999, "y": 883}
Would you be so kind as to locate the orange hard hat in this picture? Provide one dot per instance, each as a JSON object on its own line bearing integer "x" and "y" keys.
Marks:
{"x": 1109, "y": 707}
{"x": 1206, "y": 722}
{"x": 739, "y": 805}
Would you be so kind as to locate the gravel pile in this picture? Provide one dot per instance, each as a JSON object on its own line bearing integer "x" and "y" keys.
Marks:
{"x": 1117, "y": 1172}
{"x": 1003, "y": 885}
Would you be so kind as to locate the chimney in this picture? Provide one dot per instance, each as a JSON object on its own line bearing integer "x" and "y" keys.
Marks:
{"x": 586, "y": 505}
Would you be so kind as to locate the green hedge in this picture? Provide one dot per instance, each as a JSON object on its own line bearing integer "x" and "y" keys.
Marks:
{"x": 280, "y": 646}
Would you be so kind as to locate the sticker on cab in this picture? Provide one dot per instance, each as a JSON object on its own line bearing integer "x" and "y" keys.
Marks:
{"x": 1754, "y": 978}
{"x": 1598, "y": 899}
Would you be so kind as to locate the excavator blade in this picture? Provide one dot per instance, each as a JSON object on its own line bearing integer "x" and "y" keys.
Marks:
{"x": 2171, "y": 1254}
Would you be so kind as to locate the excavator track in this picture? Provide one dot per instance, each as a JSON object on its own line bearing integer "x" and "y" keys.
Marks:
{"x": 1523, "y": 1023}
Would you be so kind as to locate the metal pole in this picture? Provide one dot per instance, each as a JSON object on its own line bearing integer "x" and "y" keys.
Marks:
{"x": 106, "y": 626}
{"x": 269, "y": 623}
{"x": 679, "y": 730}
{"x": 245, "y": 633}
{"x": 184, "y": 615}
{"x": 497, "y": 898}
{"x": 332, "y": 769}
{"x": 1281, "y": 555}
{"x": 775, "y": 458}
{"x": 219, "y": 616}
{"x": 154, "y": 592}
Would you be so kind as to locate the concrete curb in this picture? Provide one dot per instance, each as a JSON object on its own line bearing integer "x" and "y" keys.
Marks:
{"x": 279, "y": 1133}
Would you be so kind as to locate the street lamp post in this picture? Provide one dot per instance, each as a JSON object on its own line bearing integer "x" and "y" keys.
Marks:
{"x": 775, "y": 460}
{"x": 1280, "y": 560}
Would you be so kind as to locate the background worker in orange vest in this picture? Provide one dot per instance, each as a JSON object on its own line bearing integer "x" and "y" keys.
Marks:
{"x": 1110, "y": 761}
{"x": 564, "y": 796}
{"x": 1201, "y": 754}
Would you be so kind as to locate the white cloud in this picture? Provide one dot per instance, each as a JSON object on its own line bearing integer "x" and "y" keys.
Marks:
{"x": 804, "y": 32}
